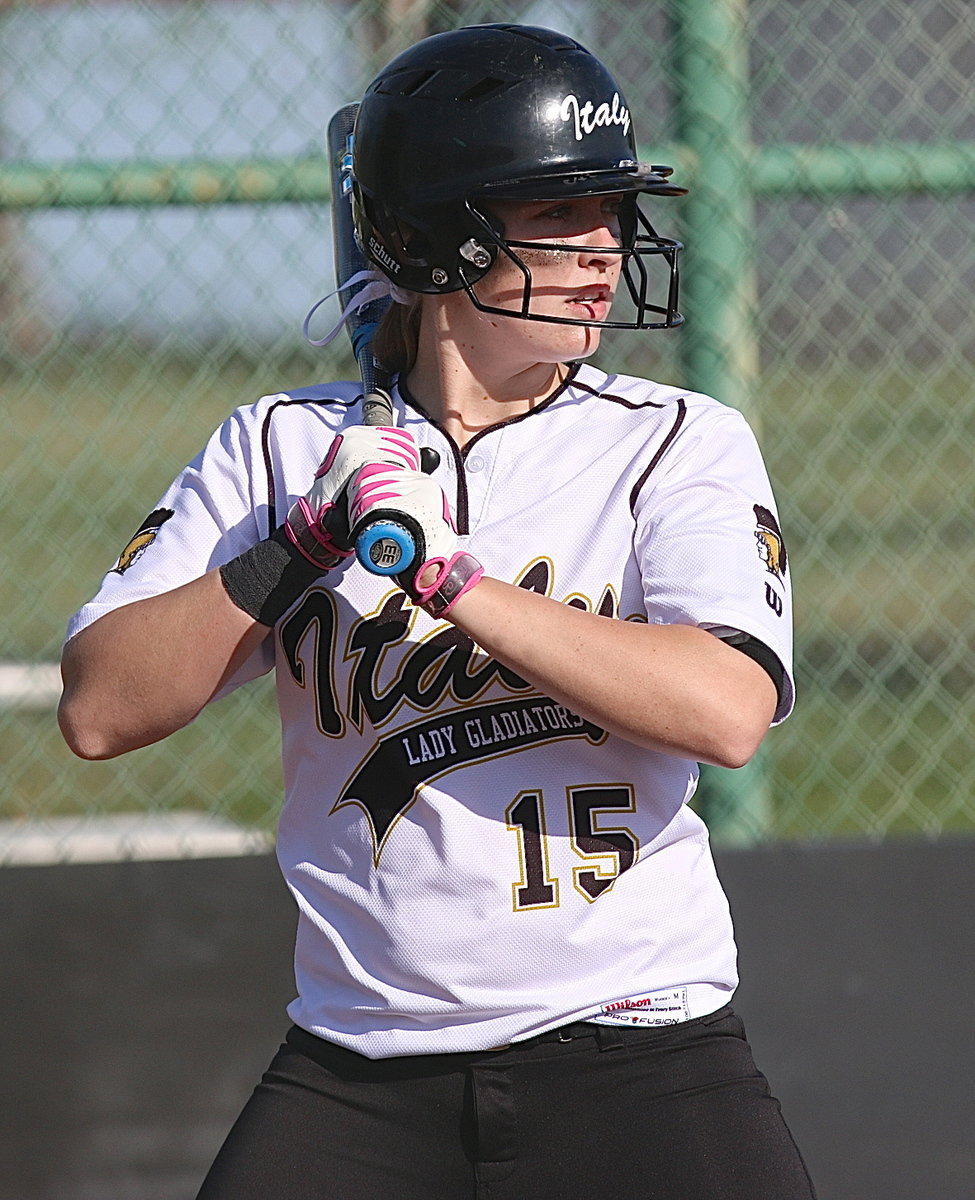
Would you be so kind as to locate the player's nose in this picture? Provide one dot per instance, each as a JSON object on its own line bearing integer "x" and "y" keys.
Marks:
{"x": 598, "y": 246}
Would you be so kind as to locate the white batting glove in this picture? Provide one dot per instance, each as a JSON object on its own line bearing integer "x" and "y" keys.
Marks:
{"x": 439, "y": 574}
{"x": 318, "y": 523}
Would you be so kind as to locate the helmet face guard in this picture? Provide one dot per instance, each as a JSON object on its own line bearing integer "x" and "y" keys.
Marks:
{"x": 634, "y": 249}
{"x": 513, "y": 113}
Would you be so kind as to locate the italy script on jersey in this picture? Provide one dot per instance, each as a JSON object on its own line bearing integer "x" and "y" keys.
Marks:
{"x": 473, "y": 862}
{"x": 440, "y": 675}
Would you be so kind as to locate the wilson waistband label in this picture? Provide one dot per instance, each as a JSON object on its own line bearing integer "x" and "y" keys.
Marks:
{"x": 658, "y": 1008}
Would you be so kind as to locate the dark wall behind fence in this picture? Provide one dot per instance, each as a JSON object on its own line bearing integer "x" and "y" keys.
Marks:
{"x": 141, "y": 1001}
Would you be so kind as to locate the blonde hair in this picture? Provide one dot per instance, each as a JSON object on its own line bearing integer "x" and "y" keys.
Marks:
{"x": 396, "y": 340}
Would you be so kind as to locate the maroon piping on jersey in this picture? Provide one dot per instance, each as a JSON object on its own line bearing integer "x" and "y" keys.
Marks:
{"x": 661, "y": 451}
{"x": 272, "y": 519}
{"x": 675, "y": 428}
{"x": 461, "y": 513}
{"x": 460, "y": 456}
{"x": 614, "y": 399}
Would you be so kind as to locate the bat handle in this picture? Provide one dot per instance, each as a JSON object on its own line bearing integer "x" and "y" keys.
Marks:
{"x": 383, "y": 547}
{"x": 386, "y": 547}
{"x": 377, "y": 409}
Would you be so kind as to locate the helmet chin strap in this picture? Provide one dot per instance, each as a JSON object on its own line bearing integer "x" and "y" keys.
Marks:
{"x": 376, "y": 286}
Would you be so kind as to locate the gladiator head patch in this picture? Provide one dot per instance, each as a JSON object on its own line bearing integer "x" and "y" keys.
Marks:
{"x": 771, "y": 546}
{"x": 144, "y": 536}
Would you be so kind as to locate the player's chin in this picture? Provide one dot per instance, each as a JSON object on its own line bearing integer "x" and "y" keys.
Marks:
{"x": 590, "y": 342}
{"x": 558, "y": 339}
{"x": 563, "y": 343}
{"x": 580, "y": 340}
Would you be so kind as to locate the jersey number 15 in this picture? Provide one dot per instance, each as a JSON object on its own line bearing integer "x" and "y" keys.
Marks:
{"x": 608, "y": 851}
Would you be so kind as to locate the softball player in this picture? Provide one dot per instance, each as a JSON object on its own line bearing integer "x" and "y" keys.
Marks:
{"x": 514, "y": 959}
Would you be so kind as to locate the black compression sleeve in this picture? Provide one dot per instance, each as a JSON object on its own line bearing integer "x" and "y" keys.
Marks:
{"x": 268, "y": 578}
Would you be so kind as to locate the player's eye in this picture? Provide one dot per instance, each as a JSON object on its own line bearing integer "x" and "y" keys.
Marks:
{"x": 558, "y": 212}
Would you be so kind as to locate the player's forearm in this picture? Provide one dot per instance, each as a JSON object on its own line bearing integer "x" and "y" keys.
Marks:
{"x": 672, "y": 688}
{"x": 147, "y": 669}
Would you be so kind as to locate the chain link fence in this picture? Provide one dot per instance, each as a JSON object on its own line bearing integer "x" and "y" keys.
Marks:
{"x": 129, "y": 330}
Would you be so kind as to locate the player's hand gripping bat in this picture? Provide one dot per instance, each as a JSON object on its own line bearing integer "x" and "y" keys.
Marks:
{"x": 383, "y": 547}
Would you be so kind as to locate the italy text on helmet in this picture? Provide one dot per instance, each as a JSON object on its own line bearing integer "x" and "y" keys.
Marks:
{"x": 588, "y": 117}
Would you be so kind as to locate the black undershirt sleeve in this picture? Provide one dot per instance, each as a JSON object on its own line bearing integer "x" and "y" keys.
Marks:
{"x": 762, "y": 655}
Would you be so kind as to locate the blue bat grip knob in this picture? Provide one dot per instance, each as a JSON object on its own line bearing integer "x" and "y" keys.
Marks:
{"x": 385, "y": 548}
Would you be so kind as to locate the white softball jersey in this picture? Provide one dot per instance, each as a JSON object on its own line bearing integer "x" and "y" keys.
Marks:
{"x": 472, "y": 862}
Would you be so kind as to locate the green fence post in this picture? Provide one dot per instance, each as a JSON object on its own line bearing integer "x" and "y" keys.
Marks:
{"x": 719, "y": 353}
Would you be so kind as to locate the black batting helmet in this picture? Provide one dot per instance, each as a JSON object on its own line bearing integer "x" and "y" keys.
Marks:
{"x": 497, "y": 111}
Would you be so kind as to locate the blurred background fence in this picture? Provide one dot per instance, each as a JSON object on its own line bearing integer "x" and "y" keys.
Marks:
{"x": 164, "y": 229}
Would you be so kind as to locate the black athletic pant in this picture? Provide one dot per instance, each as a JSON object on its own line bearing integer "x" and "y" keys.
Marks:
{"x": 675, "y": 1113}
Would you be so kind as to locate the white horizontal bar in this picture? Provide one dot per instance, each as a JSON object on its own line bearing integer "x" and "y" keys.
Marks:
{"x": 126, "y": 837}
{"x": 29, "y": 685}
